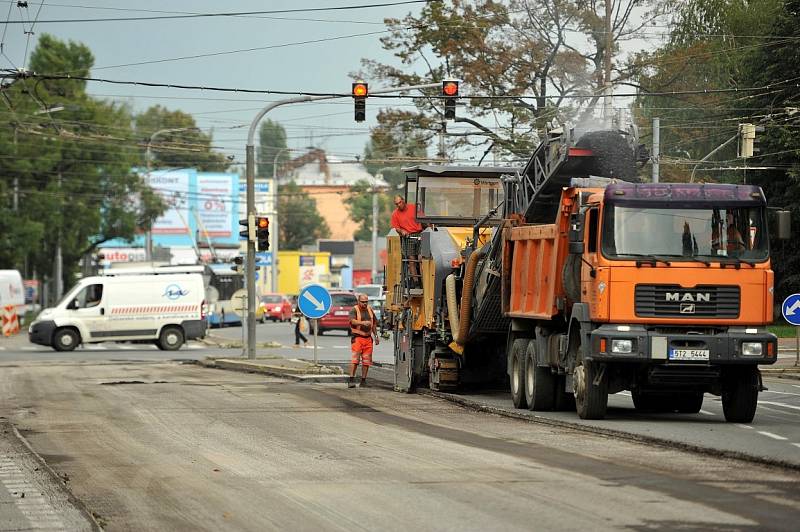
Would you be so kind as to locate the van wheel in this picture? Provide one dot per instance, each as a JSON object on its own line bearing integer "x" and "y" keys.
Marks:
{"x": 66, "y": 339}
{"x": 171, "y": 339}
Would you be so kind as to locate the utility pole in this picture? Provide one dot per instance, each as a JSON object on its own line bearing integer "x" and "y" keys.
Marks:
{"x": 607, "y": 111}
{"x": 656, "y": 147}
{"x": 148, "y": 160}
{"x": 251, "y": 196}
{"x": 275, "y": 231}
{"x": 59, "y": 260}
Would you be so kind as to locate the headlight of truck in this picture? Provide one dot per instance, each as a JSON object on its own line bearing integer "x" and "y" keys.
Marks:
{"x": 622, "y": 347}
{"x": 752, "y": 349}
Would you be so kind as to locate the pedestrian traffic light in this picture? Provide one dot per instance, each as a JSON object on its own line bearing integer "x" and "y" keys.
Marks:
{"x": 238, "y": 264}
{"x": 450, "y": 93}
{"x": 262, "y": 233}
{"x": 360, "y": 92}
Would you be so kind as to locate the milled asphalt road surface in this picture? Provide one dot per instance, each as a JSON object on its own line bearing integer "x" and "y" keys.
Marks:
{"x": 164, "y": 446}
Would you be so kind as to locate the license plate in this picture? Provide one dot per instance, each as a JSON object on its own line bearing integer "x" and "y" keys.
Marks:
{"x": 341, "y": 313}
{"x": 688, "y": 354}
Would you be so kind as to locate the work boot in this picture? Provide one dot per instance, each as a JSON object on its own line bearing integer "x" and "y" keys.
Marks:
{"x": 363, "y": 384}
{"x": 351, "y": 382}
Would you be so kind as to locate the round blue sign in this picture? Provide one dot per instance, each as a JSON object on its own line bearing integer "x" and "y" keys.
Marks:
{"x": 791, "y": 309}
{"x": 314, "y": 301}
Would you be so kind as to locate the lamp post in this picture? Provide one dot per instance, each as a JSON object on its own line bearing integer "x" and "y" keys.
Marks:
{"x": 275, "y": 228}
{"x": 148, "y": 160}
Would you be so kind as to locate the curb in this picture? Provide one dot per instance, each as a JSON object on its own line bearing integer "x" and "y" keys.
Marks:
{"x": 79, "y": 505}
{"x": 651, "y": 440}
{"x": 273, "y": 371}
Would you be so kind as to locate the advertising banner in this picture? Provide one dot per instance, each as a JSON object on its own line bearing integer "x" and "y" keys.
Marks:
{"x": 215, "y": 200}
{"x": 173, "y": 187}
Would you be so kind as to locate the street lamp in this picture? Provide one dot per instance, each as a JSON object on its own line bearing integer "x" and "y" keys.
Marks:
{"x": 148, "y": 159}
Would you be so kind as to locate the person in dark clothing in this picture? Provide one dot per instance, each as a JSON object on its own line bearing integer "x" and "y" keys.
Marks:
{"x": 298, "y": 328}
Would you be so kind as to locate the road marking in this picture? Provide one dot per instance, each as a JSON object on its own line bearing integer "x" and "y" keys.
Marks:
{"x": 771, "y": 435}
{"x": 194, "y": 346}
{"x": 34, "y": 507}
{"x": 744, "y": 426}
{"x": 796, "y": 444}
{"x": 707, "y": 413}
{"x": 796, "y": 385}
{"x": 773, "y": 403}
{"x": 626, "y": 394}
{"x": 781, "y": 393}
{"x": 90, "y": 347}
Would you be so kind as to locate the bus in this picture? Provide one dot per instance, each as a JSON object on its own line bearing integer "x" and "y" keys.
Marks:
{"x": 222, "y": 283}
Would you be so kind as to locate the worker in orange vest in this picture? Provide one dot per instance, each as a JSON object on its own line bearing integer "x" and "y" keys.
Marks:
{"x": 363, "y": 329}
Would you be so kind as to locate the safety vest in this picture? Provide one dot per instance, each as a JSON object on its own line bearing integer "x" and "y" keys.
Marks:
{"x": 357, "y": 331}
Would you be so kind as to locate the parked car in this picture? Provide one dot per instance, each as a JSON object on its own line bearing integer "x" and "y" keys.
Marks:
{"x": 275, "y": 307}
{"x": 338, "y": 318}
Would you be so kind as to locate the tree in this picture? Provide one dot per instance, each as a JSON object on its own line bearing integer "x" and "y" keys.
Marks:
{"x": 187, "y": 148}
{"x": 359, "y": 204}
{"x": 529, "y": 57}
{"x": 392, "y": 147}
{"x": 271, "y": 144}
{"x": 75, "y": 187}
{"x": 299, "y": 220}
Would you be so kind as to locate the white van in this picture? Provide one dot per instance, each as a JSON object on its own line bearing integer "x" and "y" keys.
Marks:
{"x": 12, "y": 291}
{"x": 167, "y": 309}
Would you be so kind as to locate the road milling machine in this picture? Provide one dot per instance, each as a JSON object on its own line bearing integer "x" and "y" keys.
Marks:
{"x": 568, "y": 280}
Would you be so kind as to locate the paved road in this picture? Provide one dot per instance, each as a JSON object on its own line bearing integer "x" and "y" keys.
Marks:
{"x": 165, "y": 446}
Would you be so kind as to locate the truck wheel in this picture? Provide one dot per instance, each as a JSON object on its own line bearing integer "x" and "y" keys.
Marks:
{"x": 591, "y": 400}
{"x": 689, "y": 403}
{"x": 518, "y": 349}
{"x": 740, "y": 395}
{"x": 539, "y": 382}
{"x": 66, "y": 339}
{"x": 171, "y": 339}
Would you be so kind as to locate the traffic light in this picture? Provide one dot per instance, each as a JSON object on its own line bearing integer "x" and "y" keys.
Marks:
{"x": 246, "y": 233}
{"x": 238, "y": 264}
{"x": 360, "y": 92}
{"x": 450, "y": 93}
{"x": 262, "y": 233}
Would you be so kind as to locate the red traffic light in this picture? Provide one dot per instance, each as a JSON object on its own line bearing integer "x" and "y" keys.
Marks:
{"x": 450, "y": 88}
{"x": 360, "y": 89}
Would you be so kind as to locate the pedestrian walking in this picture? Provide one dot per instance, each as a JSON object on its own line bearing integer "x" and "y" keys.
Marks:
{"x": 363, "y": 331}
{"x": 300, "y": 326}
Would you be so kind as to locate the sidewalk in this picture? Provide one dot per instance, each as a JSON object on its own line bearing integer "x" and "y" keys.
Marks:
{"x": 276, "y": 366}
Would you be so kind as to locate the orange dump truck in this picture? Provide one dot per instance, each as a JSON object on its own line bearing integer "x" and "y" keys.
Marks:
{"x": 572, "y": 281}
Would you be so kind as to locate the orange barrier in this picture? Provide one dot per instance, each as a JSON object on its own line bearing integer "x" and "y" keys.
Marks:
{"x": 10, "y": 320}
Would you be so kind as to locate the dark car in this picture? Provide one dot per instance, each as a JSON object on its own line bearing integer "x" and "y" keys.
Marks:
{"x": 338, "y": 318}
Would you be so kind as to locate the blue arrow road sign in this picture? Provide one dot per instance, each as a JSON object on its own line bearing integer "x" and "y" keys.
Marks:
{"x": 314, "y": 301}
{"x": 791, "y": 309}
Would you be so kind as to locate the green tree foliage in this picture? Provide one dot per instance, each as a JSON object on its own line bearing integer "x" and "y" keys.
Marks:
{"x": 359, "y": 204}
{"x": 299, "y": 220}
{"x": 392, "y": 147}
{"x": 72, "y": 167}
{"x": 533, "y": 56}
{"x": 271, "y": 144}
{"x": 188, "y": 147}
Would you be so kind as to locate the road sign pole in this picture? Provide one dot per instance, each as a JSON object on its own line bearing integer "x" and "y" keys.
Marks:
{"x": 797, "y": 347}
{"x": 791, "y": 313}
{"x": 316, "y": 328}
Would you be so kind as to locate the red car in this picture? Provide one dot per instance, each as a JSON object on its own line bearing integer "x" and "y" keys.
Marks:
{"x": 276, "y": 307}
{"x": 338, "y": 318}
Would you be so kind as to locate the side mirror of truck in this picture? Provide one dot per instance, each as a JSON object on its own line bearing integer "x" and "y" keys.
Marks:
{"x": 576, "y": 234}
{"x": 784, "y": 225}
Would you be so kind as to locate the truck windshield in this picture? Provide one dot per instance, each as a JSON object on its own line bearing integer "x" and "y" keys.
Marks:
{"x": 711, "y": 233}
{"x": 450, "y": 199}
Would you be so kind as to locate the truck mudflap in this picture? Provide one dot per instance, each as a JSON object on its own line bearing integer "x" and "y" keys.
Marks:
{"x": 728, "y": 346}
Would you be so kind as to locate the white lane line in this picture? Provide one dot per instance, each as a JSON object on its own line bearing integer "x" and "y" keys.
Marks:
{"x": 90, "y": 347}
{"x": 744, "y": 426}
{"x": 796, "y": 444}
{"x": 626, "y": 394}
{"x": 781, "y": 393}
{"x": 195, "y": 346}
{"x": 771, "y": 435}
{"x": 706, "y": 412}
{"x": 773, "y": 403}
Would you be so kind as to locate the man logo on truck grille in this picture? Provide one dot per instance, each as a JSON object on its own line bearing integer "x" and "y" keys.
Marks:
{"x": 698, "y": 297}
{"x": 687, "y": 308}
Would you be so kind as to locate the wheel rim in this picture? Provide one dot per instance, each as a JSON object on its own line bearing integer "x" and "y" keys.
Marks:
{"x": 579, "y": 377}
{"x": 172, "y": 338}
{"x": 529, "y": 381}
{"x": 67, "y": 340}
{"x": 515, "y": 376}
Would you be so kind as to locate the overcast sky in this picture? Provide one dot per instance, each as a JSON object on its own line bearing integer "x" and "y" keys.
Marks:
{"x": 316, "y": 67}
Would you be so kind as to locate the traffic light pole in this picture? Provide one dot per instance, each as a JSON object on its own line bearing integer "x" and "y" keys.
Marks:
{"x": 251, "y": 196}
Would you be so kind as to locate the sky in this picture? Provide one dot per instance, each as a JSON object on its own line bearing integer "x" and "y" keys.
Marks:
{"x": 282, "y": 64}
